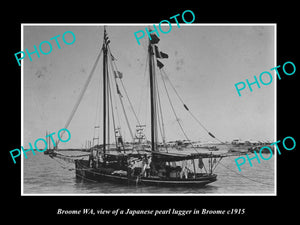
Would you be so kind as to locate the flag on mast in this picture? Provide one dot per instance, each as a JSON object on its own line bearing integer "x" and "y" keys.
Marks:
{"x": 160, "y": 54}
{"x": 154, "y": 38}
{"x": 106, "y": 38}
{"x": 159, "y": 64}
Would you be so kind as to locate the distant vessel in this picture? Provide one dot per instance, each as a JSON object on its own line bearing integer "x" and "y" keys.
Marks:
{"x": 142, "y": 161}
{"x": 49, "y": 151}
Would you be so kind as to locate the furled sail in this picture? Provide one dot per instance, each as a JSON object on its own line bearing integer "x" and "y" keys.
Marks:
{"x": 159, "y": 64}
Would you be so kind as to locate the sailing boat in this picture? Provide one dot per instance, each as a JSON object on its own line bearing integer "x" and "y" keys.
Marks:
{"x": 142, "y": 162}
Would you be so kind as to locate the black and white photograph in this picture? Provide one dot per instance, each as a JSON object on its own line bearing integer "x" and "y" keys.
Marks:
{"x": 143, "y": 109}
{"x": 149, "y": 112}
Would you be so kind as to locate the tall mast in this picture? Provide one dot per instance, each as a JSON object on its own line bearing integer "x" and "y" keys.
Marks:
{"x": 152, "y": 99}
{"x": 104, "y": 89}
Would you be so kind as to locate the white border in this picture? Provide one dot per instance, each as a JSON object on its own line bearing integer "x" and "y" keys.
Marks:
{"x": 150, "y": 24}
{"x": 275, "y": 108}
{"x": 22, "y": 110}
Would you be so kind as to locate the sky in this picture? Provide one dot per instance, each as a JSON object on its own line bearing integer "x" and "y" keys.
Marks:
{"x": 204, "y": 64}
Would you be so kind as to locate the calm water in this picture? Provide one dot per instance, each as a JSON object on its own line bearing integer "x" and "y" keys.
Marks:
{"x": 43, "y": 175}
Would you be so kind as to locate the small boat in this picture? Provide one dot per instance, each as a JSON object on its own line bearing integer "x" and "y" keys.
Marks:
{"x": 49, "y": 151}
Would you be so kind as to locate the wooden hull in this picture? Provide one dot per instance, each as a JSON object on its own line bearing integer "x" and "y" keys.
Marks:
{"x": 83, "y": 172}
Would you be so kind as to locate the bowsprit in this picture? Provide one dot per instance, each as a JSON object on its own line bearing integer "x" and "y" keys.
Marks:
{"x": 63, "y": 130}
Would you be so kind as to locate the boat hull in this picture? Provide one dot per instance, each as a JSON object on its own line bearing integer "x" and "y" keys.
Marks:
{"x": 84, "y": 173}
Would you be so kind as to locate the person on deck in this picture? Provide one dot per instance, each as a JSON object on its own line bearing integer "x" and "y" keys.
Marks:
{"x": 145, "y": 166}
{"x": 184, "y": 170}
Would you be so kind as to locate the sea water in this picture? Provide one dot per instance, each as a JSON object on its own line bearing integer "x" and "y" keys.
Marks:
{"x": 44, "y": 175}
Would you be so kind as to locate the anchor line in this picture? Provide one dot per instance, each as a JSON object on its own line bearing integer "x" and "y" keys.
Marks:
{"x": 268, "y": 184}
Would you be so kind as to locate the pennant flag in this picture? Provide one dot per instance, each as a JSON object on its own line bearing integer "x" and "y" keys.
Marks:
{"x": 154, "y": 39}
{"x": 159, "y": 54}
{"x": 159, "y": 64}
{"x": 118, "y": 74}
{"x": 164, "y": 55}
{"x": 106, "y": 38}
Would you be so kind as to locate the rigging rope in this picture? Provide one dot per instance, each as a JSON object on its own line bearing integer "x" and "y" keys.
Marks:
{"x": 160, "y": 116}
{"x": 120, "y": 96}
{"x": 126, "y": 118}
{"x": 131, "y": 106}
{"x": 96, "y": 136}
{"x": 112, "y": 108}
{"x": 177, "y": 119}
{"x": 81, "y": 95}
{"x": 147, "y": 103}
{"x": 116, "y": 105}
{"x": 245, "y": 176}
{"x": 143, "y": 88}
{"x": 172, "y": 107}
{"x": 187, "y": 109}
{"x": 62, "y": 166}
{"x": 125, "y": 91}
